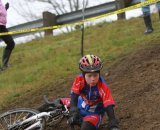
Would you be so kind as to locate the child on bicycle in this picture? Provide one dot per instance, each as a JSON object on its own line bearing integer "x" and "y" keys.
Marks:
{"x": 91, "y": 96}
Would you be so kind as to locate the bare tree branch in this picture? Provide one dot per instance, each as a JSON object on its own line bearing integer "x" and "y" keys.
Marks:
{"x": 59, "y": 7}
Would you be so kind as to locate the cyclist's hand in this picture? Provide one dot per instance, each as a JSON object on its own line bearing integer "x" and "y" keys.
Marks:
{"x": 75, "y": 117}
{"x": 6, "y": 5}
{"x": 113, "y": 124}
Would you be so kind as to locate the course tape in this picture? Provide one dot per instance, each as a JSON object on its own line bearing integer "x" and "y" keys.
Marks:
{"x": 81, "y": 22}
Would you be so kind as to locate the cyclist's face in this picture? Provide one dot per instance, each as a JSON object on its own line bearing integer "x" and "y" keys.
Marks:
{"x": 92, "y": 78}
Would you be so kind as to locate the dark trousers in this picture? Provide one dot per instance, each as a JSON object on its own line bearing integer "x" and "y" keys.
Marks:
{"x": 7, "y": 38}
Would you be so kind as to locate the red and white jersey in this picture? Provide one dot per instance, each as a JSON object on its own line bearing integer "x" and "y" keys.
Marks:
{"x": 95, "y": 98}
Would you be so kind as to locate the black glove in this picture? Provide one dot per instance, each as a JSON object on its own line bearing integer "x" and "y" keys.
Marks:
{"x": 75, "y": 118}
{"x": 6, "y": 5}
{"x": 113, "y": 124}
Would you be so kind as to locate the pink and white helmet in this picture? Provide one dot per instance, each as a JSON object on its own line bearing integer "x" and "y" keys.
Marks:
{"x": 90, "y": 63}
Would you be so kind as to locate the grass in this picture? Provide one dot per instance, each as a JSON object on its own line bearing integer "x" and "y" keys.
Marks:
{"x": 42, "y": 62}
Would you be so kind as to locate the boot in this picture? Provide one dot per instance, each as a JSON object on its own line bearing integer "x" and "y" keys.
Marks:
{"x": 5, "y": 58}
{"x": 148, "y": 23}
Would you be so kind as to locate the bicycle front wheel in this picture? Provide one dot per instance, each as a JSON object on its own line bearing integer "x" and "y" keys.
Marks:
{"x": 10, "y": 120}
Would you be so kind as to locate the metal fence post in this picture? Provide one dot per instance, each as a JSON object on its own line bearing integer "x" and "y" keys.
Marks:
{"x": 49, "y": 19}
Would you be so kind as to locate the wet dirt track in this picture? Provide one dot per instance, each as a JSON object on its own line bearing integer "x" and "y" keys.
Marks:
{"x": 135, "y": 84}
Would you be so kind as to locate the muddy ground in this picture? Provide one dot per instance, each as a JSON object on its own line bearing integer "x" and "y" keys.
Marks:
{"x": 135, "y": 84}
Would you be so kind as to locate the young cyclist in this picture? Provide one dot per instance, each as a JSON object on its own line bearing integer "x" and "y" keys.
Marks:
{"x": 91, "y": 96}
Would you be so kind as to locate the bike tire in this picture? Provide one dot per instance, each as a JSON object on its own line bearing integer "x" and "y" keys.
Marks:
{"x": 10, "y": 117}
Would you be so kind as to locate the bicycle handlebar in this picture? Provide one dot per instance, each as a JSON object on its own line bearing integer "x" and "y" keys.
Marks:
{"x": 47, "y": 101}
{"x": 56, "y": 103}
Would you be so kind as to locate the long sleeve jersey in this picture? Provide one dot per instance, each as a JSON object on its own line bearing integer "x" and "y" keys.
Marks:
{"x": 92, "y": 99}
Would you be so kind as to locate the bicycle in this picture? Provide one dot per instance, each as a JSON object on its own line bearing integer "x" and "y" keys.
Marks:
{"x": 31, "y": 119}
{"x": 48, "y": 115}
